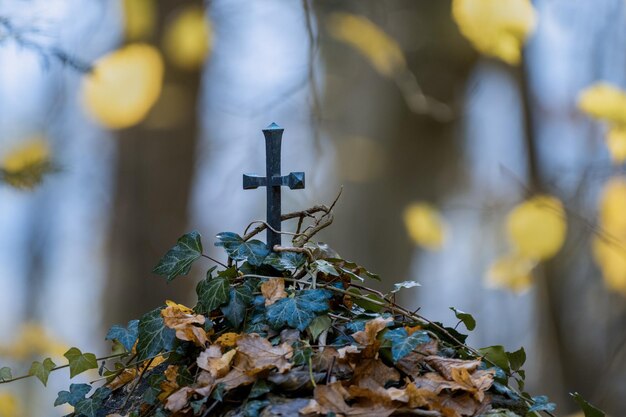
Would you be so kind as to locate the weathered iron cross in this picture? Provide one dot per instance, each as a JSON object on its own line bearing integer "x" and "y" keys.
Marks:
{"x": 273, "y": 181}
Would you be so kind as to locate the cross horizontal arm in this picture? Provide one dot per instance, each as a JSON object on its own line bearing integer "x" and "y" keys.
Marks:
{"x": 251, "y": 181}
{"x": 295, "y": 180}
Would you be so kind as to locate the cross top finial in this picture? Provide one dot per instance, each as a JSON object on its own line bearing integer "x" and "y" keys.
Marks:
{"x": 273, "y": 181}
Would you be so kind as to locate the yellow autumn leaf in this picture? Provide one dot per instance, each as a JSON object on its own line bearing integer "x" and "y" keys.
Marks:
{"x": 380, "y": 49}
{"x": 425, "y": 225}
{"x": 616, "y": 142}
{"x": 33, "y": 152}
{"x": 613, "y": 206}
{"x": 536, "y": 228}
{"x": 188, "y": 38}
{"x": 139, "y": 19}
{"x": 124, "y": 85}
{"x": 604, "y": 101}
{"x": 32, "y": 340}
{"x": 227, "y": 339}
{"x": 610, "y": 255}
{"x": 497, "y": 28}
{"x": 609, "y": 246}
{"x": 512, "y": 272}
{"x": 25, "y": 165}
{"x": 182, "y": 308}
{"x": 9, "y": 406}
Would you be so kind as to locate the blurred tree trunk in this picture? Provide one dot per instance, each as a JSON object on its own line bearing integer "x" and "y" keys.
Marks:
{"x": 361, "y": 102}
{"x": 154, "y": 175}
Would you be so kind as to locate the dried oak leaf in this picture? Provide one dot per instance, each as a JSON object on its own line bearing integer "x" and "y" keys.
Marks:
{"x": 256, "y": 354}
{"x": 411, "y": 395}
{"x": 411, "y": 364}
{"x": 234, "y": 379}
{"x": 369, "y": 380}
{"x": 464, "y": 373}
{"x": 296, "y": 379}
{"x": 373, "y": 374}
{"x": 460, "y": 405}
{"x": 178, "y": 400}
{"x": 216, "y": 363}
{"x": 205, "y": 383}
{"x": 329, "y": 358}
{"x": 273, "y": 290}
{"x": 332, "y": 399}
{"x": 181, "y": 318}
{"x": 368, "y": 337}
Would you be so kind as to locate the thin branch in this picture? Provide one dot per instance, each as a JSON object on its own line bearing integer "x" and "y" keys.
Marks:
{"x": 214, "y": 260}
{"x": 56, "y": 368}
{"x": 305, "y": 251}
{"x": 20, "y": 37}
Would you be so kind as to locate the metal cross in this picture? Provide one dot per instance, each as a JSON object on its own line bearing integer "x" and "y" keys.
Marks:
{"x": 273, "y": 181}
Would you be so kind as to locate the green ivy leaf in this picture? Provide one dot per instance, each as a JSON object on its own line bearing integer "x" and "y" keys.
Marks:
{"x": 285, "y": 261}
{"x": 467, "y": 319}
{"x": 212, "y": 292}
{"x": 517, "y": 359}
{"x": 259, "y": 389}
{"x": 93, "y": 407}
{"x": 79, "y": 361}
{"x": 319, "y": 325}
{"x": 127, "y": 336}
{"x": 42, "y": 370}
{"x": 352, "y": 269}
{"x": 366, "y": 304}
{"x": 588, "y": 409}
{"x": 235, "y": 310}
{"x": 404, "y": 284}
{"x": 298, "y": 312}
{"x": 402, "y": 344}
{"x": 497, "y": 356}
{"x": 253, "y": 251}
{"x": 541, "y": 403}
{"x": 154, "y": 337}
{"x": 324, "y": 267}
{"x": 72, "y": 397}
{"x": 177, "y": 261}
{"x": 5, "y": 373}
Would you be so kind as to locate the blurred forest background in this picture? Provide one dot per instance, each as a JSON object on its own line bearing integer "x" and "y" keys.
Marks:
{"x": 452, "y": 125}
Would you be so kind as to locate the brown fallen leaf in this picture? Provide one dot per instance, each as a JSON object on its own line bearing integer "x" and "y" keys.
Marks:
{"x": 331, "y": 398}
{"x": 216, "y": 363}
{"x": 460, "y": 405}
{"x": 372, "y": 328}
{"x": 204, "y": 384}
{"x": 123, "y": 378}
{"x": 234, "y": 379}
{"x": 179, "y": 399}
{"x": 374, "y": 371}
{"x": 445, "y": 365}
{"x": 412, "y": 396}
{"x": 411, "y": 364}
{"x": 256, "y": 354}
{"x": 273, "y": 290}
{"x": 329, "y": 359}
{"x": 181, "y": 318}
{"x": 464, "y": 373}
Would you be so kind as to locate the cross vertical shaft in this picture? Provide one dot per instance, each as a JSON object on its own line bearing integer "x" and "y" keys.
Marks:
{"x": 273, "y": 141}
{"x": 273, "y": 181}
